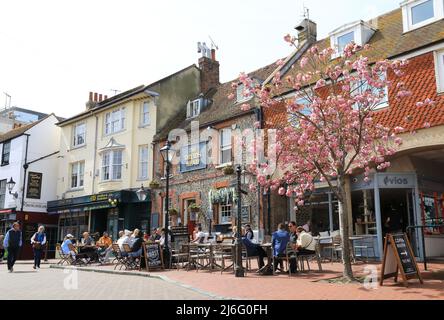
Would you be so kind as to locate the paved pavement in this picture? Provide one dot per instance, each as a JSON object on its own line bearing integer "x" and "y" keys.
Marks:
{"x": 181, "y": 284}
{"x": 26, "y": 284}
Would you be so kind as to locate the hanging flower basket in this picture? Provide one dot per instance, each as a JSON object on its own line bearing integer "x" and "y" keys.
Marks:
{"x": 154, "y": 184}
{"x": 173, "y": 212}
{"x": 194, "y": 208}
{"x": 228, "y": 170}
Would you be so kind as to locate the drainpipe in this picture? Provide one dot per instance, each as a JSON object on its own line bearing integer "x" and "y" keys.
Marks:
{"x": 95, "y": 155}
{"x": 25, "y": 167}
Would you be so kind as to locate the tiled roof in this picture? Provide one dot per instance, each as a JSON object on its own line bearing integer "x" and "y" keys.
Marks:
{"x": 220, "y": 109}
{"x": 388, "y": 42}
{"x": 17, "y": 132}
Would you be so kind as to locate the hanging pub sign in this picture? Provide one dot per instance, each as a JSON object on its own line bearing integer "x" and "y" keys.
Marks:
{"x": 399, "y": 258}
{"x": 193, "y": 157}
{"x": 34, "y": 187}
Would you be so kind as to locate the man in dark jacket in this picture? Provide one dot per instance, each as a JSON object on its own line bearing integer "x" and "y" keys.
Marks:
{"x": 12, "y": 243}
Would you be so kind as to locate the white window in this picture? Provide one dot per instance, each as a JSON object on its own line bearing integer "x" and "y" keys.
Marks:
{"x": 225, "y": 146}
{"x": 143, "y": 162}
{"x": 419, "y": 13}
{"x": 422, "y": 12}
{"x": 344, "y": 40}
{"x": 115, "y": 121}
{"x": 293, "y": 119}
{"x": 193, "y": 108}
{"x": 145, "y": 114}
{"x": 77, "y": 174}
{"x": 112, "y": 165}
{"x": 440, "y": 70}
{"x": 242, "y": 95}
{"x": 79, "y": 134}
{"x": 226, "y": 212}
{"x": 2, "y": 193}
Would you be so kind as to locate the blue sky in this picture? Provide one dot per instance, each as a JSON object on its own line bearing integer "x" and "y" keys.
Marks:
{"x": 54, "y": 52}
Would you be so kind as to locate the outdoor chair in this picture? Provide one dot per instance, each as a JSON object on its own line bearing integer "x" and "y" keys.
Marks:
{"x": 337, "y": 247}
{"x": 179, "y": 254}
{"x": 307, "y": 258}
{"x": 121, "y": 259}
{"x": 290, "y": 253}
{"x": 64, "y": 258}
{"x": 80, "y": 260}
{"x": 131, "y": 263}
{"x": 365, "y": 247}
{"x": 223, "y": 253}
{"x": 197, "y": 257}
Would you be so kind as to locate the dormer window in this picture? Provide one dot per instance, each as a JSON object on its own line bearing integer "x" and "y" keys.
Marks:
{"x": 358, "y": 32}
{"x": 419, "y": 13}
{"x": 193, "y": 108}
{"x": 241, "y": 95}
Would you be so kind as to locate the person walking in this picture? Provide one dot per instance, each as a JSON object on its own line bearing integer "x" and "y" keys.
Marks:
{"x": 38, "y": 240}
{"x": 2, "y": 248}
{"x": 12, "y": 243}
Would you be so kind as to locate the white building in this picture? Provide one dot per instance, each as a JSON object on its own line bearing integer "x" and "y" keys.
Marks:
{"x": 29, "y": 158}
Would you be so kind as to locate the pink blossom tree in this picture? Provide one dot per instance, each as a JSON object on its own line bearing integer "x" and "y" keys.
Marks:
{"x": 330, "y": 132}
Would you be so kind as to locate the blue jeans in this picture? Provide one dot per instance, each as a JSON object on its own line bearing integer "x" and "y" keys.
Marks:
{"x": 135, "y": 254}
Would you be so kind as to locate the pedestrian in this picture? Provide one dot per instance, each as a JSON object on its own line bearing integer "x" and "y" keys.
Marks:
{"x": 38, "y": 240}
{"x": 12, "y": 243}
{"x": 2, "y": 248}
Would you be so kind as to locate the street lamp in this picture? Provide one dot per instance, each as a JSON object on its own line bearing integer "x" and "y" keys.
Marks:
{"x": 167, "y": 156}
{"x": 239, "y": 269}
{"x": 10, "y": 185}
{"x": 142, "y": 195}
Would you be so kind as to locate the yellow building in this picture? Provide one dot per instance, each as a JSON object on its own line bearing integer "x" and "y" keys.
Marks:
{"x": 106, "y": 155}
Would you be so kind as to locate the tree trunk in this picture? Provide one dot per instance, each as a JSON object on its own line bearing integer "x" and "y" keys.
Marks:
{"x": 343, "y": 216}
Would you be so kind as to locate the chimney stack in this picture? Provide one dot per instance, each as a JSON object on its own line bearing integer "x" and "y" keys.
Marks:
{"x": 307, "y": 31}
{"x": 209, "y": 72}
{"x": 94, "y": 99}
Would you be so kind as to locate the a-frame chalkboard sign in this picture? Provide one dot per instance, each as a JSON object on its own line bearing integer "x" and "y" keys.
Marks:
{"x": 399, "y": 258}
{"x": 153, "y": 256}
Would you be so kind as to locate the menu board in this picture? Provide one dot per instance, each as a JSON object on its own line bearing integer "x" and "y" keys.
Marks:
{"x": 246, "y": 214}
{"x": 407, "y": 261}
{"x": 153, "y": 256}
{"x": 34, "y": 189}
{"x": 399, "y": 258}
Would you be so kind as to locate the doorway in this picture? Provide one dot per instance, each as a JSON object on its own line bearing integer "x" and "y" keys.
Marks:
{"x": 396, "y": 210}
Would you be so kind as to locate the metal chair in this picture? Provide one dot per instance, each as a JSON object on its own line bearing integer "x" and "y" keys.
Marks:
{"x": 63, "y": 256}
{"x": 290, "y": 253}
{"x": 120, "y": 259}
{"x": 367, "y": 247}
{"x": 307, "y": 258}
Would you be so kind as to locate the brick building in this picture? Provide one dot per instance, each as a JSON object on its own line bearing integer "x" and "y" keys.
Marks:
{"x": 414, "y": 184}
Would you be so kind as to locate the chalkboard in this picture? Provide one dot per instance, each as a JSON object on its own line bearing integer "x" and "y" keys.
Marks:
{"x": 399, "y": 258}
{"x": 407, "y": 261}
{"x": 246, "y": 214}
{"x": 153, "y": 256}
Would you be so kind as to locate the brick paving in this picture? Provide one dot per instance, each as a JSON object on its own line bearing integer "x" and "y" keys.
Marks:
{"x": 303, "y": 286}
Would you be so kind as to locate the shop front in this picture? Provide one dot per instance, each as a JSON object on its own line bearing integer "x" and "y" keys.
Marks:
{"x": 110, "y": 211}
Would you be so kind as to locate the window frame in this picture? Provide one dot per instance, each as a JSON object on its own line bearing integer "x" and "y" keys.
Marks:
{"x": 111, "y": 121}
{"x": 192, "y": 111}
{"x": 74, "y": 132}
{"x": 407, "y": 14}
{"x": 439, "y": 70}
{"x": 240, "y": 96}
{"x": 80, "y": 175}
{"x": 223, "y": 217}
{"x": 111, "y": 166}
{"x": 142, "y": 163}
{"x": 225, "y": 147}
{"x": 3, "y": 162}
{"x": 3, "y": 194}
{"x": 145, "y": 122}
{"x": 343, "y": 34}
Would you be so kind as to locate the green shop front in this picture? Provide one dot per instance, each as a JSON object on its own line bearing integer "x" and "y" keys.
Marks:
{"x": 110, "y": 211}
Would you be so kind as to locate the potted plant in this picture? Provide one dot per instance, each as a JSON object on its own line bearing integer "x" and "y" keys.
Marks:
{"x": 194, "y": 207}
{"x": 228, "y": 170}
{"x": 173, "y": 212}
{"x": 154, "y": 184}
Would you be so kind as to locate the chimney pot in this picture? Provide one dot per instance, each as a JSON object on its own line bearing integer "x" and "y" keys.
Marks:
{"x": 213, "y": 54}
{"x": 95, "y": 97}
{"x": 90, "y": 96}
{"x": 100, "y": 97}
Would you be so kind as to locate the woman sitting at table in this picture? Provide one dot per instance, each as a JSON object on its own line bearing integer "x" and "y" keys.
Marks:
{"x": 306, "y": 244}
{"x": 136, "y": 248}
{"x": 200, "y": 236}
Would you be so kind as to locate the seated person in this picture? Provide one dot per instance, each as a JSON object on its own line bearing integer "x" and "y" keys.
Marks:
{"x": 136, "y": 248}
{"x": 88, "y": 247}
{"x": 279, "y": 241}
{"x": 66, "y": 246}
{"x": 254, "y": 250}
{"x": 293, "y": 240}
{"x": 200, "y": 236}
{"x": 306, "y": 244}
{"x": 105, "y": 246}
{"x": 162, "y": 239}
{"x": 125, "y": 239}
{"x": 249, "y": 234}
